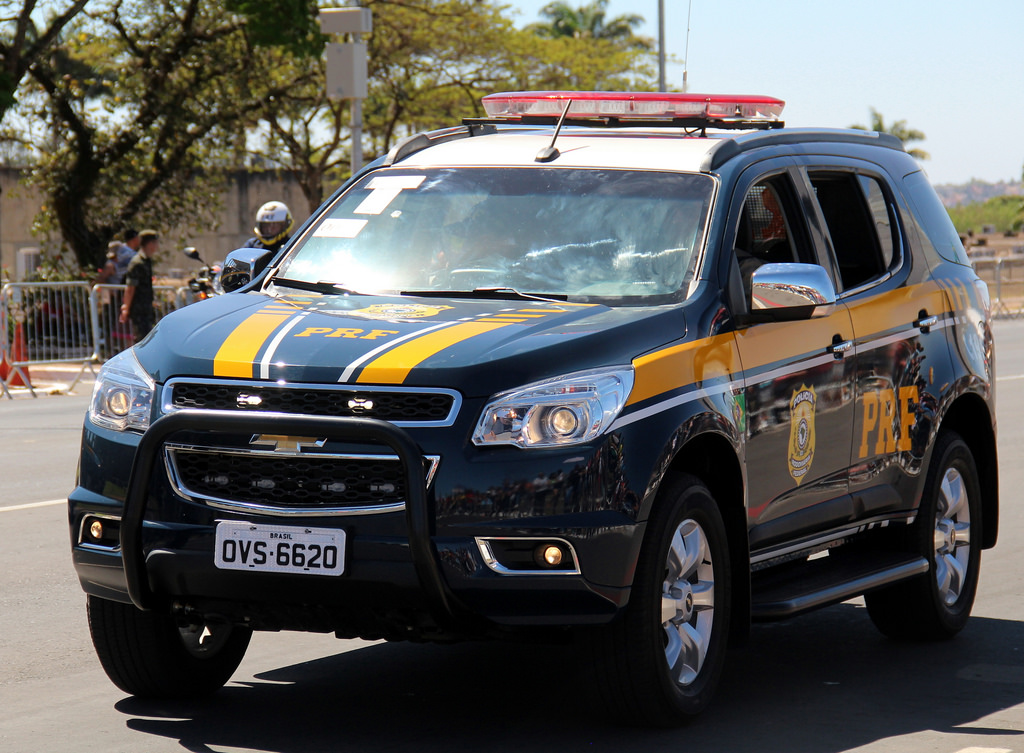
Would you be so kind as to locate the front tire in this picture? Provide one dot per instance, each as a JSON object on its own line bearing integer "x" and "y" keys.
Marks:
{"x": 948, "y": 533}
{"x": 150, "y": 655}
{"x": 660, "y": 662}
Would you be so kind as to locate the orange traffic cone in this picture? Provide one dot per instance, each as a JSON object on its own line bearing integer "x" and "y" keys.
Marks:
{"x": 17, "y": 354}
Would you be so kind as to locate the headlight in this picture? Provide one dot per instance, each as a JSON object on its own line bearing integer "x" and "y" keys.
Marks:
{"x": 123, "y": 395}
{"x": 564, "y": 411}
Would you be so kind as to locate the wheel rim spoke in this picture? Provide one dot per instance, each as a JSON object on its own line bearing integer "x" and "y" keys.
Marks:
{"x": 954, "y": 579}
{"x": 689, "y": 646}
{"x": 686, "y": 552}
{"x": 704, "y": 596}
{"x": 952, "y": 494}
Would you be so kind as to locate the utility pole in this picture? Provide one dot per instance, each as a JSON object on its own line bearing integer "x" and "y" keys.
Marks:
{"x": 686, "y": 53}
{"x": 661, "y": 45}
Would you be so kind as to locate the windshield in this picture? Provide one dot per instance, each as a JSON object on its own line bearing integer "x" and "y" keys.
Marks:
{"x": 577, "y": 233}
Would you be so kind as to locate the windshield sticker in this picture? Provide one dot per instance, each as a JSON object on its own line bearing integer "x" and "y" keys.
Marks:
{"x": 339, "y": 229}
{"x": 398, "y": 311}
{"x": 384, "y": 190}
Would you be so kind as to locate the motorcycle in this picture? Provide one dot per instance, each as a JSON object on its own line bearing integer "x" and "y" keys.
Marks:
{"x": 206, "y": 281}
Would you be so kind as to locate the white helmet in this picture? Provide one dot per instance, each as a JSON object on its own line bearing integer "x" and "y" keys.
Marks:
{"x": 273, "y": 222}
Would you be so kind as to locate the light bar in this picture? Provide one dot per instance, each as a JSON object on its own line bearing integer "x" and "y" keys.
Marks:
{"x": 633, "y": 105}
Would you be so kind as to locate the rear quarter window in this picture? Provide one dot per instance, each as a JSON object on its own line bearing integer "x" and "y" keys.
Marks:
{"x": 933, "y": 219}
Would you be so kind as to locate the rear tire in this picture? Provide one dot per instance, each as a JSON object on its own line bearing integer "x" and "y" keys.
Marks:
{"x": 947, "y": 532}
{"x": 659, "y": 663}
{"x": 150, "y": 655}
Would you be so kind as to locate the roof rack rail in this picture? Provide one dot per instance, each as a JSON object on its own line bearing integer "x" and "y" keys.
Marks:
{"x": 421, "y": 141}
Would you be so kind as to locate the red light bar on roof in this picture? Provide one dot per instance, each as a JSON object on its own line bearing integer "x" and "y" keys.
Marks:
{"x": 633, "y": 105}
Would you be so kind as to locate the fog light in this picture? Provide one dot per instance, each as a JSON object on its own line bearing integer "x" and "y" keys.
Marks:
{"x": 550, "y": 555}
{"x": 96, "y": 530}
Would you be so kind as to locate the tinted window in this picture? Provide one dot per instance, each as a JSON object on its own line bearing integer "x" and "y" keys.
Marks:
{"x": 853, "y": 227}
{"x": 768, "y": 230}
{"x": 933, "y": 219}
{"x": 883, "y": 214}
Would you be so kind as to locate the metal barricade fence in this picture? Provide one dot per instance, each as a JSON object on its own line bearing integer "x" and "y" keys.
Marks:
{"x": 64, "y": 322}
{"x": 1010, "y": 290}
{"x": 45, "y": 323}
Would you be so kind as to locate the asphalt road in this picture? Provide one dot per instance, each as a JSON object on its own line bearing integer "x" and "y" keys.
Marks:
{"x": 824, "y": 683}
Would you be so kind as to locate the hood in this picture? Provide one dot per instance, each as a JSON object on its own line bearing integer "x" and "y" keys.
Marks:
{"x": 476, "y": 346}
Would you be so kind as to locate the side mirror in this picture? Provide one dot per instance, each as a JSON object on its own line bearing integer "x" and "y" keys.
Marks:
{"x": 242, "y": 266}
{"x": 192, "y": 253}
{"x": 788, "y": 292}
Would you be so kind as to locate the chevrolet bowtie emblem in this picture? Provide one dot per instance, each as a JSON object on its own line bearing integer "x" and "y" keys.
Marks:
{"x": 245, "y": 400}
{"x": 360, "y": 404}
{"x": 282, "y": 443}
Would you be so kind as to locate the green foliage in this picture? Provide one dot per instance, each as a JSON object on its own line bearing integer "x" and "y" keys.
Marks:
{"x": 23, "y": 42}
{"x": 144, "y": 103}
{"x": 1006, "y": 213}
{"x": 589, "y": 21}
{"x": 288, "y": 24}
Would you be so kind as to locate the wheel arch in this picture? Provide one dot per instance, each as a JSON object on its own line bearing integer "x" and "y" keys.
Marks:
{"x": 712, "y": 458}
{"x": 969, "y": 416}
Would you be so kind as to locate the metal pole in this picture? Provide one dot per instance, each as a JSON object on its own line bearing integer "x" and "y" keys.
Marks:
{"x": 357, "y": 135}
{"x": 661, "y": 45}
{"x": 686, "y": 54}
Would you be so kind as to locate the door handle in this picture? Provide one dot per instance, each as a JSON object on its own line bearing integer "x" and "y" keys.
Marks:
{"x": 925, "y": 323}
{"x": 839, "y": 346}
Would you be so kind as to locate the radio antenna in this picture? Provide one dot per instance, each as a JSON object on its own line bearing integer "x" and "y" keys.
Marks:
{"x": 550, "y": 152}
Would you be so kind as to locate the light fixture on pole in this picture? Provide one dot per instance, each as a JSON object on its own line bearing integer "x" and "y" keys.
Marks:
{"x": 346, "y": 67}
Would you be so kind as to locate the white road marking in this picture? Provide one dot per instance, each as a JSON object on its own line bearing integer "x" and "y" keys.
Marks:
{"x": 1012, "y": 378}
{"x": 30, "y": 505}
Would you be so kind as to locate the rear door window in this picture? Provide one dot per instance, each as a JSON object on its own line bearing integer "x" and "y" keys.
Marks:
{"x": 862, "y": 225}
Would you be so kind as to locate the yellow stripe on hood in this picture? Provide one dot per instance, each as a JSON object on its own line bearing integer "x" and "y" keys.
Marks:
{"x": 237, "y": 354}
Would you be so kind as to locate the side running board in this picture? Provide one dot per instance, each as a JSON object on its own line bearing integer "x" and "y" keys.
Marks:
{"x": 783, "y": 592}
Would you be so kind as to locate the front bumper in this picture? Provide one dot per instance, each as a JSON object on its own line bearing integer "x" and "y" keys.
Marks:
{"x": 400, "y": 565}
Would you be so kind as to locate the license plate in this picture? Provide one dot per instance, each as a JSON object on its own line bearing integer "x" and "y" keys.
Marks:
{"x": 260, "y": 547}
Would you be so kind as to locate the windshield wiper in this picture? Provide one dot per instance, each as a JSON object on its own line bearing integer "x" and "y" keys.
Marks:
{"x": 323, "y": 287}
{"x": 488, "y": 292}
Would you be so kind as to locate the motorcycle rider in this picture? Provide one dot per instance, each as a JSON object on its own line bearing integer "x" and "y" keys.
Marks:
{"x": 273, "y": 226}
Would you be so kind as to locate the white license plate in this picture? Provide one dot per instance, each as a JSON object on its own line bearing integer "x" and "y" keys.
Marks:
{"x": 279, "y": 549}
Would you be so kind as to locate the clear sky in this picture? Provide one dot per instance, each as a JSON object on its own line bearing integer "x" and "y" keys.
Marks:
{"x": 952, "y": 69}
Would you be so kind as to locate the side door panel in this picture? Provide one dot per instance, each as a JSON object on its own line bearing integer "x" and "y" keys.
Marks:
{"x": 797, "y": 384}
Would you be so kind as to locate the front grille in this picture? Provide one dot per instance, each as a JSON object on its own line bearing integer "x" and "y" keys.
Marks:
{"x": 395, "y": 405}
{"x": 299, "y": 483}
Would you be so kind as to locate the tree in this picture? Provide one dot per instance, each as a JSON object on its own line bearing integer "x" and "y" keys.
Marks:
{"x": 290, "y": 25}
{"x": 898, "y": 129}
{"x": 183, "y": 82}
{"x": 589, "y": 21}
{"x": 22, "y": 42}
{"x": 430, "y": 62}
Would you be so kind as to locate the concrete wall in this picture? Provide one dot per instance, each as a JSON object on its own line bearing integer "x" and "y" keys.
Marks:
{"x": 19, "y": 206}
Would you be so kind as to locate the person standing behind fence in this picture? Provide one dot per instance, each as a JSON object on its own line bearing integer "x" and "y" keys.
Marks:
{"x": 125, "y": 253}
{"x": 138, "y": 293}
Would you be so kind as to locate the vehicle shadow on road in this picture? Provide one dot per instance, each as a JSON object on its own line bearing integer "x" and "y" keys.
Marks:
{"x": 824, "y": 683}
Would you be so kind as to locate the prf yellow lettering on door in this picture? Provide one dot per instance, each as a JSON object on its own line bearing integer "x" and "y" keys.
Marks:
{"x": 887, "y": 420}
